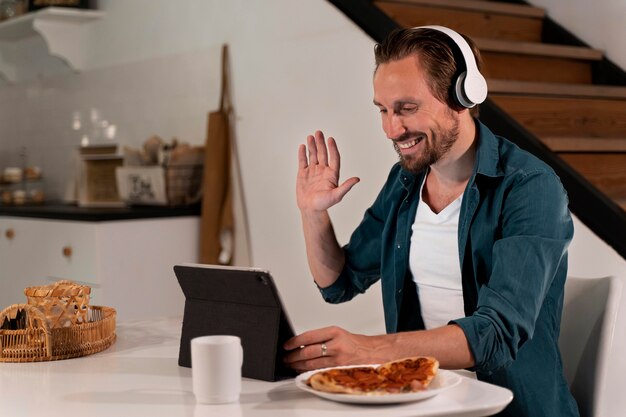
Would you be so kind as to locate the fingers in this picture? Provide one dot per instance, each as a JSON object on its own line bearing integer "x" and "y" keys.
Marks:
{"x": 311, "y": 337}
{"x": 320, "y": 171}
{"x": 343, "y": 189}
{"x": 322, "y": 153}
{"x": 334, "y": 160}
{"x": 319, "y": 348}
{"x": 318, "y": 152}
{"x": 304, "y": 353}
{"x": 310, "y": 142}
{"x": 302, "y": 159}
{"x": 318, "y": 355}
{"x": 317, "y": 363}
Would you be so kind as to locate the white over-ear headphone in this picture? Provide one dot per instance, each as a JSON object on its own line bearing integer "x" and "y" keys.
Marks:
{"x": 470, "y": 87}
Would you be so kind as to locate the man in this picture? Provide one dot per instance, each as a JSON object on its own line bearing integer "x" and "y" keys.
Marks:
{"x": 468, "y": 236}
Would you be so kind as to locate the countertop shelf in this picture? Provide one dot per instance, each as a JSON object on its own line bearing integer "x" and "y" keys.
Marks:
{"x": 63, "y": 211}
{"x": 60, "y": 28}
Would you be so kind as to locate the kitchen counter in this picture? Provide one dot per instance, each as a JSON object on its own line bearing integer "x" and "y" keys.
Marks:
{"x": 64, "y": 211}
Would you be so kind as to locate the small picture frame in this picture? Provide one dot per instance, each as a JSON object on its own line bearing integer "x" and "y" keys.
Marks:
{"x": 142, "y": 185}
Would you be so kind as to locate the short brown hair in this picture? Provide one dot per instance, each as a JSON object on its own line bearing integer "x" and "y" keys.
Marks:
{"x": 438, "y": 55}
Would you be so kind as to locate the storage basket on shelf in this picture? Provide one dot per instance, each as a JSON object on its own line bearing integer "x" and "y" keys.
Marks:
{"x": 59, "y": 325}
{"x": 183, "y": 184}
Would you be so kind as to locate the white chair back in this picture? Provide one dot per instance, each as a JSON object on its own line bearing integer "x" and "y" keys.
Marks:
{"x": 587, "y": 327}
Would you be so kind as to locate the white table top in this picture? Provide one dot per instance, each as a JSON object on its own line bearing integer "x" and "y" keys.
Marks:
{"x": 139, "y": 376}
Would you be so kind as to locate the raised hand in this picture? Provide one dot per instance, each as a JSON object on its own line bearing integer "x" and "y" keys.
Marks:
{"x": 317, "y": 185}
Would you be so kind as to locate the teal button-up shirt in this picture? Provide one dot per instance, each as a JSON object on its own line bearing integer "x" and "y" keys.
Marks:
{"x": 514, "y": 230}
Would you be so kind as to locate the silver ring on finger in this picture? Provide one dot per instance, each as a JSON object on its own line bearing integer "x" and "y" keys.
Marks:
{"x": 324, "y": 349}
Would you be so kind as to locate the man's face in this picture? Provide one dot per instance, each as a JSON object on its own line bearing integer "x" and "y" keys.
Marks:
{"x": 422, "y": 128}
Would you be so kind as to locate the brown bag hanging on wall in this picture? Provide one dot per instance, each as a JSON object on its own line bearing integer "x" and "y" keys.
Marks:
{"x": 217, "y": 222}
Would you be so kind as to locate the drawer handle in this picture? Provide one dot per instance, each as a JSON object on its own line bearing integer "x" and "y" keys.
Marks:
{"x": 67, "y": 251}
{"x": 9, "y": 234}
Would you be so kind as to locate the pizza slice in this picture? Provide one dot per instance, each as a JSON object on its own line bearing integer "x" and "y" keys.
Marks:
{"x": 357, "y": 380}
{"x": 409, "y": 374}
{"x": 399, "y": 376}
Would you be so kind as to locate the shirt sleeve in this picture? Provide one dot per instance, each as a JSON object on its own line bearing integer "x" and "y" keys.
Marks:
{"x": 363, "y": 251}
{"x": 536, "y": 231}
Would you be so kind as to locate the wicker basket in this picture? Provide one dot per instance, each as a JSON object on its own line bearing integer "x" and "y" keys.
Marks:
{"x": 183, "y": 184}
{"x": 30, "y": 338}
{"x": 63, "y": 303}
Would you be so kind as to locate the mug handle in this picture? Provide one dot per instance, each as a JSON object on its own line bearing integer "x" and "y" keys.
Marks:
{"x": 240, "y": 355}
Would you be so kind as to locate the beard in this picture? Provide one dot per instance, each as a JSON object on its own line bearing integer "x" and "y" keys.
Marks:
{"x": 442, "y": 141}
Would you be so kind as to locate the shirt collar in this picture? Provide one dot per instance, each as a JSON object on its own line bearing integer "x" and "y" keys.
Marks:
{"x": 487, "y": 153}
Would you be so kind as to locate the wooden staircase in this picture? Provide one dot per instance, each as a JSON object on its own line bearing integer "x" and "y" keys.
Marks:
{"x": 547, "y": 88}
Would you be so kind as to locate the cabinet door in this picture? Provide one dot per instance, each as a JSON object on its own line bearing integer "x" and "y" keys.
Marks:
{"x": 37, "y": 252}
{"x": 11, "y": 289}
{"x": 68, "y": 250}
{"x": 19, "y": 259}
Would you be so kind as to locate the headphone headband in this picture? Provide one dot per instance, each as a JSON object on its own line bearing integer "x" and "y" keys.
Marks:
{"x": 470, "y": 86}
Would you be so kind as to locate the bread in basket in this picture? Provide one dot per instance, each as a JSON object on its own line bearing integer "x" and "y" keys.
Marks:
{"x": 57, "y": 323}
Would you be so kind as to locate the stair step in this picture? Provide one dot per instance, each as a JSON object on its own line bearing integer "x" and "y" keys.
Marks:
{"x": 532, "y": 61}
{"x": 584, "y": 144}
{"x": 607, "y": 171}
{"x": 480, "y": 6}
{"x": 556, "y": 116}
{"x": 471, "y": 22}
{"x": 556, "y": 89}
{"x": 539, "y": 49}
{"x": 512, "y": 66}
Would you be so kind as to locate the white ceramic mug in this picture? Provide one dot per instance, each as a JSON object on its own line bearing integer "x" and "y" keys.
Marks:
{"x": 216, "y": 368}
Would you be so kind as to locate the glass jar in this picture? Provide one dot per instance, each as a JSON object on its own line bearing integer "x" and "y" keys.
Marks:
{"x": 11, "y": 8}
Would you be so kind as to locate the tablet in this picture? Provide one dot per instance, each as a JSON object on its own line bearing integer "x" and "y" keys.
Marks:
{"x": 236, "y": 301}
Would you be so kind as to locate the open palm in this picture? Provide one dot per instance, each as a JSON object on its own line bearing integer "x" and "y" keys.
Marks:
{"x": 317, "y": 185}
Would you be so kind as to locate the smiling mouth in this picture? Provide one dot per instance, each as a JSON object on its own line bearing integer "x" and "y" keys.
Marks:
{"x": 409, "y": 144}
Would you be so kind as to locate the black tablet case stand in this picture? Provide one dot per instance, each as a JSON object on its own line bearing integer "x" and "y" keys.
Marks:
{"x": 236, "y": 302}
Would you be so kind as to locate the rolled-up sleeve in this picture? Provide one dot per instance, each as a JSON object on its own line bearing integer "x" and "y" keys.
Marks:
{"x": 362, "y": 267}
{"x": 536, "y": 231}
{"x": 363, "y": 253}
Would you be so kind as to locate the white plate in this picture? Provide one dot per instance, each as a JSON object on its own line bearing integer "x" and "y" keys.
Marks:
{"x": 442, "y": 381}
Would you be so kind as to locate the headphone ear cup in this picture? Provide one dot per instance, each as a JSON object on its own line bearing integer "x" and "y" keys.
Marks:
{"x": 459, "y": 92}
{"x": 475, "y": 88}
{"x": 470, "y": 87}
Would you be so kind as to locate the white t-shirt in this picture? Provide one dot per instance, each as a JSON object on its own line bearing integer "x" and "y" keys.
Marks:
{"x": 434, "y": 263}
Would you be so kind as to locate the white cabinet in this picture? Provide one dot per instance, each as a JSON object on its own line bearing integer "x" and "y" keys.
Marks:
{"x": 63, "y": 33}
{"x": 35, "y": 252}
{"x": 127, "y": 263}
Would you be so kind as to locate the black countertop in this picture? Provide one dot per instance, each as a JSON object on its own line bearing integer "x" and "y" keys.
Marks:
{"x": 64, "y": 211}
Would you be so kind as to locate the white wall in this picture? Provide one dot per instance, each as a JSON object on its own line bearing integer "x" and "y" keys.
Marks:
{"x": 296, "y": 67}
{"x": 600, "y": 23}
